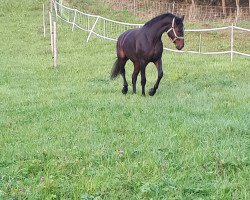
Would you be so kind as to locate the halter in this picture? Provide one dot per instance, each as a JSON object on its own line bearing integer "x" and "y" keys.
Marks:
{"x": 172, "y": 29}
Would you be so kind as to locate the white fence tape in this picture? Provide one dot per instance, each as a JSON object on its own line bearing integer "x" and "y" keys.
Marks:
{"x": 110, "y": 29}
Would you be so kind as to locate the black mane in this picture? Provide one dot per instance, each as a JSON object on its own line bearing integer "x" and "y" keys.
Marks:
{"x": 158, "y": 18}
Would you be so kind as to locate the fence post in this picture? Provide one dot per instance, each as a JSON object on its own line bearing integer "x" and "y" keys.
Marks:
{"x": 55, "y": 7}
{"x": 104, "y": 28}
{"x": 55, "y": 44}
{"x": 51, "y": 33}
{"x": 44, "y": 23}
{"x": 249, "y": 5}
{"x": 200, "y": 44}
{"x": 88, "y": 23}
{"x": 73, "y": 26}
{"x": 134, "y": 6}
{"x": 232, "y": 42}
{"x": 173, "y": 7}
{"x": 91, "y": 31}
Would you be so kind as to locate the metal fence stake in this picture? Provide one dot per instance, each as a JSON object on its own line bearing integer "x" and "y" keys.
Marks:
{"x": 55, "y": 43}
{"x": 200, "y": 44}
{"x": 51, "y": 33}
{"x": 44, "y": 23}
{"x": 232, "y": 42}
{"x": 74, "y": 21}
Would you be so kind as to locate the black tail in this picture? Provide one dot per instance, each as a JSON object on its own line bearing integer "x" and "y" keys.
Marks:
{"x": 115, "y": 70}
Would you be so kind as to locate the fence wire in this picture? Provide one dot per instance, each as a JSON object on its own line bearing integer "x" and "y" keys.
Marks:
{"x": 216, "y": 41}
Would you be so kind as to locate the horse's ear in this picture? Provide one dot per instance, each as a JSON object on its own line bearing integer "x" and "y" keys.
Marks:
{"x": 182, "y": 17}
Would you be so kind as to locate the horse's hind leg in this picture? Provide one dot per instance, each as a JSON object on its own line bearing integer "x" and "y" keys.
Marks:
{"x": 158, "y": 65}
{"x": 143, "y": 79}
{"x": 134, "y": 75}
{"x": 122, "y": 63}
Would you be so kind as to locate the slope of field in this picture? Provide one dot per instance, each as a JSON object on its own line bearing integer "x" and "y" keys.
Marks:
{"x": 69, "y": 133}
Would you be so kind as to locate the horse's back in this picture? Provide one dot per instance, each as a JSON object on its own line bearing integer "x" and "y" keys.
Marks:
{"x": 127, "y": 36}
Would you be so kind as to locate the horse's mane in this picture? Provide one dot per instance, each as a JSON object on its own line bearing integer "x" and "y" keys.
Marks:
{"x": 158, "y": 18}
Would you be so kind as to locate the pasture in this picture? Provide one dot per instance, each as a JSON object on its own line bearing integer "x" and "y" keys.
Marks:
{"x": 69, "y": 133}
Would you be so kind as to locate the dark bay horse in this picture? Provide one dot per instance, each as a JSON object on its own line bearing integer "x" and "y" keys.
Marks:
{"x": 144, "y": 45}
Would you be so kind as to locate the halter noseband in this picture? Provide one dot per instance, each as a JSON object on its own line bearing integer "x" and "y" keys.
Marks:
{"x": 172, "y": 29}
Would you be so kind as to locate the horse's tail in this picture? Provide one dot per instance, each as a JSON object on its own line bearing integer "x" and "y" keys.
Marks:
{"x": 115, "y": 70}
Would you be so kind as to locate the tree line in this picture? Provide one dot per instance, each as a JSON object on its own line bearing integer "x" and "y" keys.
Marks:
{"x": 223, "y": 3}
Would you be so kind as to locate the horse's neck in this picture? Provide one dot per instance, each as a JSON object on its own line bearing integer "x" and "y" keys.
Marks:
{"x": 156, "y": 30}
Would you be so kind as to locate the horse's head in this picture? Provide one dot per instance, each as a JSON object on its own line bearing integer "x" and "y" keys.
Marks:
{"x": 176, "y": 32}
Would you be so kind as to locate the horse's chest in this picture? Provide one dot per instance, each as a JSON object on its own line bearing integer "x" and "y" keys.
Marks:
{"x": 154, "y": 53}
{"x": 147, "y": 49}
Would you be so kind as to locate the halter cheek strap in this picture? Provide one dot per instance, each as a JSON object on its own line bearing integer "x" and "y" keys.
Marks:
{"x": 172, "y": 29}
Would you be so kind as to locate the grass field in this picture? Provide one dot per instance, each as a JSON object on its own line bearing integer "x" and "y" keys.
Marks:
{"x": 69, "y": 133}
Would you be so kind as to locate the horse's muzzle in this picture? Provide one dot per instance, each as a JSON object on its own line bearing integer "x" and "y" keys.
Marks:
{"x": 179, "y": 44}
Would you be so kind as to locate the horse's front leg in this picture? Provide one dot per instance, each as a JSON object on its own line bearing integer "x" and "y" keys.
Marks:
{"x": 134, "y": 76}
{"x": 158, "y": 65}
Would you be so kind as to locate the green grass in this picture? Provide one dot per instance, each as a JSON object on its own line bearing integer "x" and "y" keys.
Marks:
{"x": 69, "y": 133}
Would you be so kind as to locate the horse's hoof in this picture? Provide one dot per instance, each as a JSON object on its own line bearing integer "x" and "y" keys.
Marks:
{"x": 152, "y": 92}
{"x": 124, "y": 89}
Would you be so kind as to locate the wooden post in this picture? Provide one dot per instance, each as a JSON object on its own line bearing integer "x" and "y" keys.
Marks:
{"x": 249, "y": 5}
{"x": 134, "y": 6}
{"x": 173, "y": 7}
{"x": 51, "y": 33}
{"x": 44, "y": 23}
{"x": 237, "y": 10}
{"x": 223, "y": 2}
{"x": 55, "y": 43}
